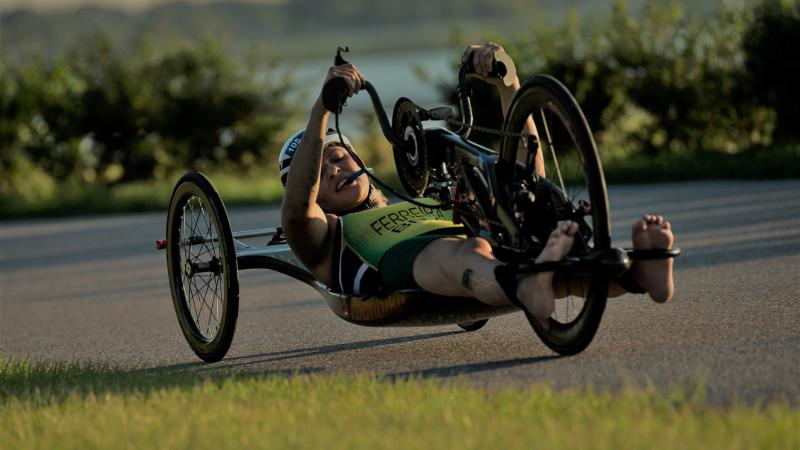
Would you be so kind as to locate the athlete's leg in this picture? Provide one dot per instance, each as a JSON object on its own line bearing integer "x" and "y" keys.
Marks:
{"x": 536, "y": 291}
{"x": 655, "y": 276}
{"x": 458, "y": 267}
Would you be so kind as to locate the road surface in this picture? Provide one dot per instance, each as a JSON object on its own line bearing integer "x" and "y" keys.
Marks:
{"x": 95, "y": 289}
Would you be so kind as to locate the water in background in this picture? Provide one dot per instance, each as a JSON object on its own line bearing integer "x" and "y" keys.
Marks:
{"x": 393, "y": 75}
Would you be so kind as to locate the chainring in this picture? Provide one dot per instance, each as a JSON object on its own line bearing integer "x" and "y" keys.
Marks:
{"x": 411, "y": 159}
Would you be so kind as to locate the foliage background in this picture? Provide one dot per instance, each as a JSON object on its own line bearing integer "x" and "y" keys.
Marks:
{"x": 659, "y": 81}
{"x": 104, "y": 117}
{"x": 708, "y": 95}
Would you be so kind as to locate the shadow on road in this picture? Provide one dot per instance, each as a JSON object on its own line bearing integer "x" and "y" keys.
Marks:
{"x": 323, "y": 350}
{"x": 434, "y": 372}
{"x": 466, "y": 369}
{"x": 240, "y": 361}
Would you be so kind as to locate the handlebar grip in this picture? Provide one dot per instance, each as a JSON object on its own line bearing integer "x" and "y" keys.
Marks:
{"x": 334, "y": 94}
{"x": 502, "y": 67}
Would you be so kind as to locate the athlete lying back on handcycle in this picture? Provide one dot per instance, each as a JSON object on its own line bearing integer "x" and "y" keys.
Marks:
{"x": 344, "y": 231}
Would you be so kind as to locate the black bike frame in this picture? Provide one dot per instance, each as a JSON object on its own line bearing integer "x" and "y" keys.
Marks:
{"x": 478, "y": 165}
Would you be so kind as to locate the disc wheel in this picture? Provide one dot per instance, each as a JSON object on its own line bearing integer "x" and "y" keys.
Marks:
{"x": 572, "y": 188}
{"x": 411, "y": 159}
{"x": 473, "y": 326}
{"x": 201, "y": 261}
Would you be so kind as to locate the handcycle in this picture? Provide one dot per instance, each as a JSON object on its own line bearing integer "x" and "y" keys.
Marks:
{"x": 497, "y": 195}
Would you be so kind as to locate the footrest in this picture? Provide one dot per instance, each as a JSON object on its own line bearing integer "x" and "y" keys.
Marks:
{"x": 610, "y": 263}
{"x": 656, "y": 253}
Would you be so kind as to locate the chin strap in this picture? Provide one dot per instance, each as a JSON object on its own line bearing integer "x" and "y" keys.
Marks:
{"x": 363, "y": 206}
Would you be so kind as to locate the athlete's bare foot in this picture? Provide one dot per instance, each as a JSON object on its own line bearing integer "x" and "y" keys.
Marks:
{"x": 535, "y": 291}
{"x": 655, "y": 275}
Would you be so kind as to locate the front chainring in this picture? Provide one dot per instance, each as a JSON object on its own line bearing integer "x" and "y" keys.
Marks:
{"x": 411, "y": 159}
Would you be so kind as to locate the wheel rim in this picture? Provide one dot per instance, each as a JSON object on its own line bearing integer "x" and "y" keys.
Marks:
{"x": 568, "y": 177}
{"x": 203, "y": 292}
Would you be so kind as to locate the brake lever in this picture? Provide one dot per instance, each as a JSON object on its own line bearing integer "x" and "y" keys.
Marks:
{"x": 338, "y": 60}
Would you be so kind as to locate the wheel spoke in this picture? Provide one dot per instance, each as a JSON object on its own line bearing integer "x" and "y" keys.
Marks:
{"x": 205, "y": 307}
{"x": 201, "y": 290}
{"x": 552, "y": 148}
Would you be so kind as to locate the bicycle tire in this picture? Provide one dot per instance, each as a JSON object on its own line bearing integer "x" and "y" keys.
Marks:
{"x": 556, "y": 111}
{"x": 196, "y": 196}
{"x": 473, "y": 326}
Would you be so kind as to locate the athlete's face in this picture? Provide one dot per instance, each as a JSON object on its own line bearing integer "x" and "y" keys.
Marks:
{"x": 337, "y": 165}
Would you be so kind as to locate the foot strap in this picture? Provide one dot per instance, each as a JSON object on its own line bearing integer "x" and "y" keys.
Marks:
{"x": 653, "y": 253}
{"x": 506, "y": 275}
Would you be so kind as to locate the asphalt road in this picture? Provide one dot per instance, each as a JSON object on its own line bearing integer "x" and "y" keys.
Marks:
{"x": 95, "y": 289}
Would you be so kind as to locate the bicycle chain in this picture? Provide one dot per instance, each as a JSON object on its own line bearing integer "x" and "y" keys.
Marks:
{"x": 486, "y": 130}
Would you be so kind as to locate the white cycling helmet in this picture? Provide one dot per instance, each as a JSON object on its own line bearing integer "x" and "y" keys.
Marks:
{"x": 293, "y": 143}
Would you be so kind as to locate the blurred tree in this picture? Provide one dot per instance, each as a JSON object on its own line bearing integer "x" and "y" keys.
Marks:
{"x": 654, "y": 82}
{"x": 98, "y": 116}
{"x": 775, "y": 69}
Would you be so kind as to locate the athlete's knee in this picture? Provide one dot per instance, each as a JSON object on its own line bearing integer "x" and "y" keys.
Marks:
{"x": 476, "y": 246}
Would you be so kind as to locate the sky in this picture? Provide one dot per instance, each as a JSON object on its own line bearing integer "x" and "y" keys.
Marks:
{"x": 131, "y": 5}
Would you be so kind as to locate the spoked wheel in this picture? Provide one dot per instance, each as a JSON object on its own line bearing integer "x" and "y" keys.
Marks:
{"x": 473, "y": 326}
{"x": 572, "y": 188}
{"x": 201, "y": 261}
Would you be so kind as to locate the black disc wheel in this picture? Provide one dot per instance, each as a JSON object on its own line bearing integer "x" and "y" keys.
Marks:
{"x": 201, "y": 261}
{"x": 566, "y": 184}
{"x": 473, "y": 326}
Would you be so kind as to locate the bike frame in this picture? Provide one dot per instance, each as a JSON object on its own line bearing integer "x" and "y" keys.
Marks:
{"x": 464, "y": 159}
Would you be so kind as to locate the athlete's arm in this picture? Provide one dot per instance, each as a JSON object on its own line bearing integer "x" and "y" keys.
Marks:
{"x": 482, "y": 57}
{"x": 308, "y": 229}
{"x": 305, "y": 224}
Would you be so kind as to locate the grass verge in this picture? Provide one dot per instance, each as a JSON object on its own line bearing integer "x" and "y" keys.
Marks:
{"x": 781, "y": 161}
{"x": 83, "y": 406}
{"x": 71, "y": 200}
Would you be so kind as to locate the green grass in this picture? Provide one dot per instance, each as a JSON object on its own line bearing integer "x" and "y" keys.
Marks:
{"x": 73, "y": 199}
{"x": 83, "y": 406}
{"x": 779, "y": 161}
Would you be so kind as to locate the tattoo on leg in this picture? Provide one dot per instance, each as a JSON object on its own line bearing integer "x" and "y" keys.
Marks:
{"x": 466, "y": 280}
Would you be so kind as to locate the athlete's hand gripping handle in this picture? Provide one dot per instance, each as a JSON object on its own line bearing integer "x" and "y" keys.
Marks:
{"x": 334, "y": 93}
{"x": 502, "y": 67}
